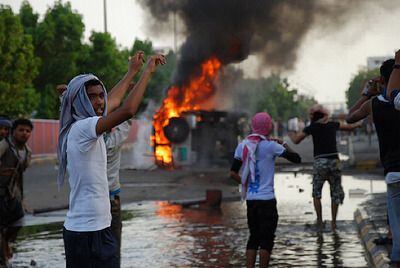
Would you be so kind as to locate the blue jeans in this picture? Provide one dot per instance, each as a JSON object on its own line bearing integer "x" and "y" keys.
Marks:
{"x": 393, "y": 202}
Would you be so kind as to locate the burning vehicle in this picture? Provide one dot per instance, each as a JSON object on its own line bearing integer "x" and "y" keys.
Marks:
{"x": 187, "y": 128}
{"x": 202, "y": 137}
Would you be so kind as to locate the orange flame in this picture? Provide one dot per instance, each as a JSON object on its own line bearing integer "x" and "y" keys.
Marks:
{"x": 179, "y": 100}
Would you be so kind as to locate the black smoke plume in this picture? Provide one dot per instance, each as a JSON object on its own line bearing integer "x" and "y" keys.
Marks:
{"x": 233, "y": 29}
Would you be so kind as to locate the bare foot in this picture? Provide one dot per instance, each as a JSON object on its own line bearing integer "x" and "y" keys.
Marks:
{"x": 320, "y": 225}
{"x": 333, "y": 225}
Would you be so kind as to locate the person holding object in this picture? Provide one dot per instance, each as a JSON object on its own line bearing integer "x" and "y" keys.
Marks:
{"x": 381, "y": 104}
{"x": 392, "y": 177}
{"x": 393, "y": 88}
{"x": 88, "y": 240}
{"x": 256, "y": 156}
{"x": 326, "y": 159}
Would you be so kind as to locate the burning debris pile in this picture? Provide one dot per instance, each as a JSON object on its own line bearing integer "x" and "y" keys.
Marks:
{"x": 182, "y": 99}
{"x": 228, "y": 31}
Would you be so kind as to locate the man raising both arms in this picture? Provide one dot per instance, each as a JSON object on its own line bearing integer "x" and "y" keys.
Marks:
{"x": 88, "y": 240}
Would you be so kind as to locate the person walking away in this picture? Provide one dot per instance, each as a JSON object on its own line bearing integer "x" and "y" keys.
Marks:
{"x": 256, "y": 155}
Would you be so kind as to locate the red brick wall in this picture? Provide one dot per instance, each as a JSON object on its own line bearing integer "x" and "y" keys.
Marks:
{"x": 44, "y": 137}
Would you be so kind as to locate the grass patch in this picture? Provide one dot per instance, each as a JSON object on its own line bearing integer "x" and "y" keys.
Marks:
{"x": 51, "y": 228}
{"x": 127, "y": 215}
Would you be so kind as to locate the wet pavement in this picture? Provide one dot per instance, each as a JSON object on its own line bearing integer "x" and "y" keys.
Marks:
{"x": 160, "y": 234}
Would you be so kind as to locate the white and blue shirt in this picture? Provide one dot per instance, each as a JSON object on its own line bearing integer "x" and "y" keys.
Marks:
{"x": 263, "y": 186}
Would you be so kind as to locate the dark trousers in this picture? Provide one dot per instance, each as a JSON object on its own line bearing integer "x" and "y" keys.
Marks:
{"x": 90, "y": 249}
{"x": 262, "y": 219}
{"x": 116, "y": 223}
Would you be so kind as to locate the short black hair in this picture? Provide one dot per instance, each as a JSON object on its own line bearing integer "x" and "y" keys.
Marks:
{"x": 317, "y": 116}
{"x": 23, "y": 122}
{"x": 386, "y": 69}
{"x": 92, "y": 82}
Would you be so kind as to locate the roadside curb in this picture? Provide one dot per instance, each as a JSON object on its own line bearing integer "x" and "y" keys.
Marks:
{"x": 40, "y": 159}
{"x": 377, "y": 255}
{"x": 366, "y": 164}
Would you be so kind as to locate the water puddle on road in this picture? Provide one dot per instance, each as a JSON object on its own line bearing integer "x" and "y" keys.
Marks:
{"x": 159, "y": 234}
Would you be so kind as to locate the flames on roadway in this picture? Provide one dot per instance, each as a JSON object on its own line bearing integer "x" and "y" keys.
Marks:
{"x": 180, "y": 99}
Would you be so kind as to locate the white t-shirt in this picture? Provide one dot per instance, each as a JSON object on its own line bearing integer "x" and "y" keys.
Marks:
{"x": 89, "y": 203}
{"x": 263, "y": 186}
{"x": 396, "y": 102}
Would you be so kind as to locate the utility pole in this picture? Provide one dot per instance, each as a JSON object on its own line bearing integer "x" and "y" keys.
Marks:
{"x": 105, "y": 15}
{"x": 175, "y": 39}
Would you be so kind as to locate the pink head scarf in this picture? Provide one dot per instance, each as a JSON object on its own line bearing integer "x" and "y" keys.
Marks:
{"x": 261, "y": 124}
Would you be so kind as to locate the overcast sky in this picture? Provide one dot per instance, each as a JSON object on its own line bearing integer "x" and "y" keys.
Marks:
{"x": 327, "y": 60}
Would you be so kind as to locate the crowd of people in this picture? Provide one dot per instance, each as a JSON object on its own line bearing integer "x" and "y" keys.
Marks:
{"x": 253, "y": 165}
{"x": 94, "y": 125}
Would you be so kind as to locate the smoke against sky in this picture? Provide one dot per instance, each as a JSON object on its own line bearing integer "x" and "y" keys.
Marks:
{"x": 234, "y": 29}
{"x": 330, "y": 53}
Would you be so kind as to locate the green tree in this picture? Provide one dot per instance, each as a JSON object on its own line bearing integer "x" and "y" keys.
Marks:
{"x": 356, "y": 84}
{"x": 139, "y": 45}
{"x": 160, "y": 81}
{"x": 28, "y": 18}
{"x": 103, "y": 58}
{"x": 273, "y": 95}
{"x": 18, "y": 66}
{"x": 58, "y": 45}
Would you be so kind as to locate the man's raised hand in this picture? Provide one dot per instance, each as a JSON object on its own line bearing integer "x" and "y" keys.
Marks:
{"x": 371, "y": 87}
{"x": 155, "y": 60}
{"x": 136, "y": 62}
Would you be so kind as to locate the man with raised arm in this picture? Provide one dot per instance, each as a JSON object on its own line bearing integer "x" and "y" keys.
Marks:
{"x": 377, "y": 100}
{"x": 255, "y": 156}
{"x": 88, "y": 240}
{"x": 393, "y": 178}
{"x": 326, "y": 159}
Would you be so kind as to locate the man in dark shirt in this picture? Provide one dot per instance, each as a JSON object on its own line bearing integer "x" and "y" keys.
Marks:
{"x": 378, "y": 100}
{"x": 326, "y": 159}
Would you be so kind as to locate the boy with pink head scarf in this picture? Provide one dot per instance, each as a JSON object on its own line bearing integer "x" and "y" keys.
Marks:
{"x": 255, "y": 155}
